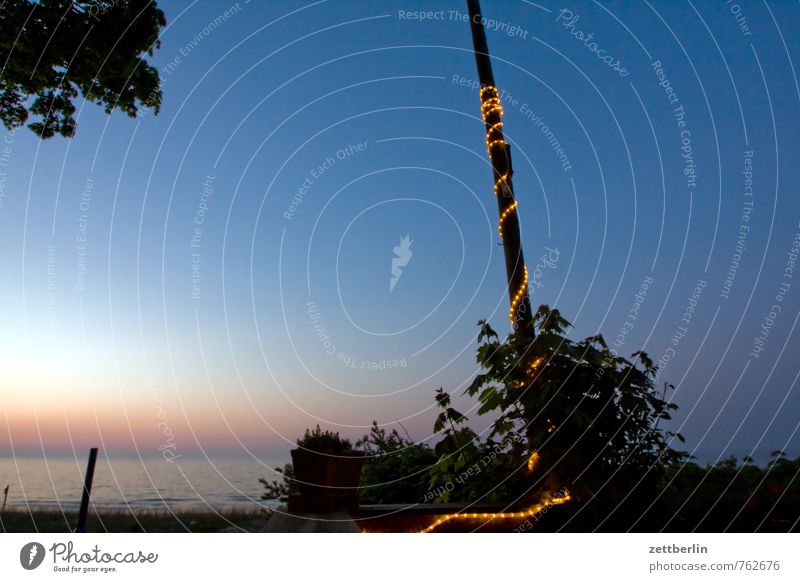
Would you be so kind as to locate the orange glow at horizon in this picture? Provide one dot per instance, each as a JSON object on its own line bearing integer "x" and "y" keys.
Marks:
{"x": 63, "y": 419}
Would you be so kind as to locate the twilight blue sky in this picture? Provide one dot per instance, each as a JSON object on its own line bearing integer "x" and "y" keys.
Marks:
{"x": 235, "y": 273}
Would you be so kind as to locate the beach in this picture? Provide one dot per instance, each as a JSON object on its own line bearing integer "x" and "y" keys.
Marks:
{"x": 141, "y": 521}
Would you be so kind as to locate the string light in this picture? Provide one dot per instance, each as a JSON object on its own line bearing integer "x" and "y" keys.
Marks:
{"x": 492, "y": 113}
{"x": 535, "y": 364}
{"x": 533, "y": 460}
{"x": 503, "y": 216}
{"x": 520, "y": 294}
{"x": 548, "y": 500}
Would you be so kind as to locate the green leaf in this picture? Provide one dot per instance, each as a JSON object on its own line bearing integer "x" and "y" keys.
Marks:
{"x": 441, "y": 422}
{"x": 455, "y": 416}
{"x": 479, "y": 381}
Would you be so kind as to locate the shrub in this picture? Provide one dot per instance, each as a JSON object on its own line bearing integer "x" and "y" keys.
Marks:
{"x": 566, "y": 413}
{"x": 324, "y": 441}
{"x": 396, "y": 469}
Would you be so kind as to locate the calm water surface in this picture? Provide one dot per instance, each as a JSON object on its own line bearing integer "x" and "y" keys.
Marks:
{"x": 138, "y": 484}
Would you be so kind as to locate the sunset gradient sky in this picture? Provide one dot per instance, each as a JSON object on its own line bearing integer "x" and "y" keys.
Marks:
{"x": 122, "y": 330}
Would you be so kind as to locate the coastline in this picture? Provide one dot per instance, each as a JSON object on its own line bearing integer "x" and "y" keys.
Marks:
{"x": 224, "y": 520}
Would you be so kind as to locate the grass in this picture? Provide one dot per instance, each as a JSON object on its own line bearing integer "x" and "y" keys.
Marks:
{"x": 126, "y": 521}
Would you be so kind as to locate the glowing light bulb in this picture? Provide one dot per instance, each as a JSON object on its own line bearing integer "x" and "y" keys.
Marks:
{"x": 521, "y": 292}
{"x": 532, "y": 460}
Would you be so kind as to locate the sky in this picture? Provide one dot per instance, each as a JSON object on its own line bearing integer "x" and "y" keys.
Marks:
{"x": 217, "y": 278}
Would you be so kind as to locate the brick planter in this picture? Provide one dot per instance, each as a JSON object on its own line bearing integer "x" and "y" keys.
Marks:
{"x": 326, "y": 481}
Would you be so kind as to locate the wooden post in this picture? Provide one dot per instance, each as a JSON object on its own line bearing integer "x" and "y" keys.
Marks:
{"x": 500, "y": 155}
{"x": 87, "y": 492}
{"x": 5, "y": 498}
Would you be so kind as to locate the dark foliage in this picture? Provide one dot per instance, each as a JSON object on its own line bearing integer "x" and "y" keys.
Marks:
{"x": 731, "y": 496}
{"x": 588, "y": 415}
{"x": 396, "y": 469}
{"x": 324, "y": 441}
{"x": 280, "y": 489}
{"x": 54, "y": 50}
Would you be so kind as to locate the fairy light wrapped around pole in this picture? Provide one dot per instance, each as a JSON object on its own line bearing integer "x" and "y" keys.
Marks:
{"x": 508, "y": 228}
{"x": 500, "y": 156}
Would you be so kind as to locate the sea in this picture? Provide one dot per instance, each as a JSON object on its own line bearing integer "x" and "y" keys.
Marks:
{"x": 137, "y": 484}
